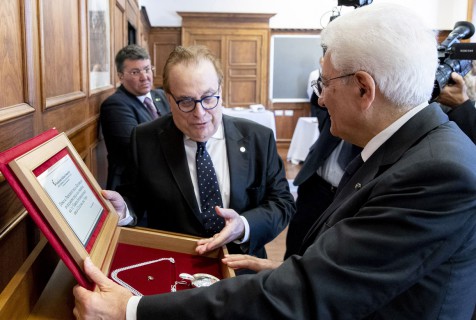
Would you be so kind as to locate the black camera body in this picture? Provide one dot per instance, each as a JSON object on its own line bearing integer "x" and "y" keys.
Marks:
{"x": 454, "y": 56}
{"x": 353, "y": 3}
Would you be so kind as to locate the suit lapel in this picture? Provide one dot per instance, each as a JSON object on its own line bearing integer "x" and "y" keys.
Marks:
{"x": 238, "y": 152}
{"x": 139, "y": 106}
{"x": 384, "y": 157}
{"x": 171, "y": 141}
{"x": 159, "y": 101}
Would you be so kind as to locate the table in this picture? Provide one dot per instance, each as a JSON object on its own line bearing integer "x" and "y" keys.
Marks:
{"x": 266, "y": 117}
{"x": 305, "y": 134}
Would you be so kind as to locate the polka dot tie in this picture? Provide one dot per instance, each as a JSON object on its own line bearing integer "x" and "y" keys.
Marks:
{"x": 209, "y": 191}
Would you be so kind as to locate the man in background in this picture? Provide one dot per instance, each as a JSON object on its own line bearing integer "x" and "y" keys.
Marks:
{"x": 134, "y": 102}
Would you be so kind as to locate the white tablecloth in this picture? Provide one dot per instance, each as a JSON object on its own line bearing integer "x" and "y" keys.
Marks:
{"x": 266, "y": 117}
{"x": 305, "y": 134}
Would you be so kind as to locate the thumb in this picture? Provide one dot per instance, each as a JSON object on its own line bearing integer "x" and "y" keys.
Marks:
{"x": 224, "y": 213}
{"x": 96, "y": 275}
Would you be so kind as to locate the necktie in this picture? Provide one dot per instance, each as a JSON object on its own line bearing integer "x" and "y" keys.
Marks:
{"x": 209, "y": 190}
{"x": 351, "y": 168}
{"x": 346, "y": 155}
{"x": 150, "y": 106}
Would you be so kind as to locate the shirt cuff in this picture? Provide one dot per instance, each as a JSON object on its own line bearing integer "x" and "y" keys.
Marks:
{"x": 131, "y": 311}
{"x": 246, "y": 237}
{"x": 127, "y": 220}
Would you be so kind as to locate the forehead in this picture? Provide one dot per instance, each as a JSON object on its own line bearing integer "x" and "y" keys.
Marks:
{"x": 192, "y": 78}
{"x": 327, "y": 68}
{"x": 129, "y": 63}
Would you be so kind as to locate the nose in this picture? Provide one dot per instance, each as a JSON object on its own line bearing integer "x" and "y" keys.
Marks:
{"x": 143, "y": 74}
{"x": 199, "y": 110}
{"x": 320, "y": 101}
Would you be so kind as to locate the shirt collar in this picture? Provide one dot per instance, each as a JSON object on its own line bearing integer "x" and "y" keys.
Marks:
{"x": 142, "y": 98}
{"x": 385, "y": 134}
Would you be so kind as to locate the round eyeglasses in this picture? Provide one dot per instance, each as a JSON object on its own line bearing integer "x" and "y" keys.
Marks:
{"x": 319, "y": 84}
{"x": 189, "y": 104}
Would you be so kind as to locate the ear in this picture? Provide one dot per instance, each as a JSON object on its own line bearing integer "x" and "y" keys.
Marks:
{"x": 367, "y": 88}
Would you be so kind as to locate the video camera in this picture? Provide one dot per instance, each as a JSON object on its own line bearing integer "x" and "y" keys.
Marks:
{"x": 454, "y": 56}
{"x": 353, "y": 3}
{"x": 350, "y": 3}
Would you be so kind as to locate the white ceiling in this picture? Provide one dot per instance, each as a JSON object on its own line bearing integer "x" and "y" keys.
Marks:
{"x": 438, "y": 14}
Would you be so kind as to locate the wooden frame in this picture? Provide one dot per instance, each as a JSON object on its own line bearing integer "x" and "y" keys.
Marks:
{"x": 25, "y": 167}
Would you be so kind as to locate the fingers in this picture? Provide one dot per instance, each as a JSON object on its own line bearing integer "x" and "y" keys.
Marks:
{"x": 96, "y": 275}
{"x": 210, "y": 244}
{"x": 243, "y": 261}
{"x": 240, "y": 261}
{"x": 457, "y": 78}
{"x": 116, "y": 200}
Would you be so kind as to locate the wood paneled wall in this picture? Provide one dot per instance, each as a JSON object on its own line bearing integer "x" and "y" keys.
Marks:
{"x": 45, "y": 83}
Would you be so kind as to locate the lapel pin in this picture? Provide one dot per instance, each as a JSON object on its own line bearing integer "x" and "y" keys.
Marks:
{"x": 242, "y": 149}
{"x": 357, "y": 186}
{"x": 157, "y": 99}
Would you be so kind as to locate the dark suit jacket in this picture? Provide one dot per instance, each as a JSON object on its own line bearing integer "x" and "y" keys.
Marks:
{"x": 399, "y": 242}
{"x": 465, "y": 116}
{"x": 313, "y": 199}
{"x": 119, "y": 114}
{"x": 161, "y": 183}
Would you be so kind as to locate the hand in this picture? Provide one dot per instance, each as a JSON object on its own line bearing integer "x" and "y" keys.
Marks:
{"x": 110, "y": 302}
{"x": 234, "y": 229}
{"x": 453, "y": 94}
{"x": 117, "y": 202}
{"x": 244, "y": 261}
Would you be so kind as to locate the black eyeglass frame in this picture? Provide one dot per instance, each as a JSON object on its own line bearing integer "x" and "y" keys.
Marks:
{"x": 318, "y": 85}
{"x": 178, "y": 102}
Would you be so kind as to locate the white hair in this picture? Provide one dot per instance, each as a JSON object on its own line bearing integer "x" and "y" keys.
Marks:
{"x": 389, "y": 42}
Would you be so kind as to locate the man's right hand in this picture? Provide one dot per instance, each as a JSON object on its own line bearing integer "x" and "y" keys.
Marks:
{"x": 453, "y": 94}
{"x": 244, "y": 261}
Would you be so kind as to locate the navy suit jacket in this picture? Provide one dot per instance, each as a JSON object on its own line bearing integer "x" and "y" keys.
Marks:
{"x": 160, "y": 183}
{"x": 398, "y": 242}
{"x": 119, "y": 114}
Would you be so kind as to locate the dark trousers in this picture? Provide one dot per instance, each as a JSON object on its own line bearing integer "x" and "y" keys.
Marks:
{"x": 314, "y": 196}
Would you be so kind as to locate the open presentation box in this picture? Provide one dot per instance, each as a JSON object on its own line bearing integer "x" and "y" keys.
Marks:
{"x": 65, "y": 201}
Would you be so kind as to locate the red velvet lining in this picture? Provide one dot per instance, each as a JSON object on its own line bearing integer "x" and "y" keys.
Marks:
{"x": 163, "y": 273}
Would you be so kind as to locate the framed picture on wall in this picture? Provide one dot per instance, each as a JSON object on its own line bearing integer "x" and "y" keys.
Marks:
{"x": 99, "y": 44}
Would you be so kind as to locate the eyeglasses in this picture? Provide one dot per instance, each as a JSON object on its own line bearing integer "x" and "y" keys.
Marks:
{"x": 319, "y": 84}
{"x": 189, "y": 104}
{"x": 135, "y": 73}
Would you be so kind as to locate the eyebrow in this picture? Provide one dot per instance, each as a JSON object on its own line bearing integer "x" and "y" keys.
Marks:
{"x": 209, "y": 92}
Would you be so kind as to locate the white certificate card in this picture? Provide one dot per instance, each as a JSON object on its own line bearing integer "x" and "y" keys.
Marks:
{"x": 73, "y": 197}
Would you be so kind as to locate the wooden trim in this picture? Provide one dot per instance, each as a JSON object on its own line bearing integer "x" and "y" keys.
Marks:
{"x": 15, "y": 111}
{"x": 296, "y": 31}
{"x": 223, "y": 20}
{"x": 19, "y": 218}
{"x": 23, "y": 290}
{"x": 58, "y": 100}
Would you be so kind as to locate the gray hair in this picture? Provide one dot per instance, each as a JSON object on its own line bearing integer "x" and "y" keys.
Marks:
{"x": 389, "y": 42}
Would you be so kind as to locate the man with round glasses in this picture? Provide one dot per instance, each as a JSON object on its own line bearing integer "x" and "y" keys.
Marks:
{"x": 163, "y": 180}
{"x": 134, "y": 102}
